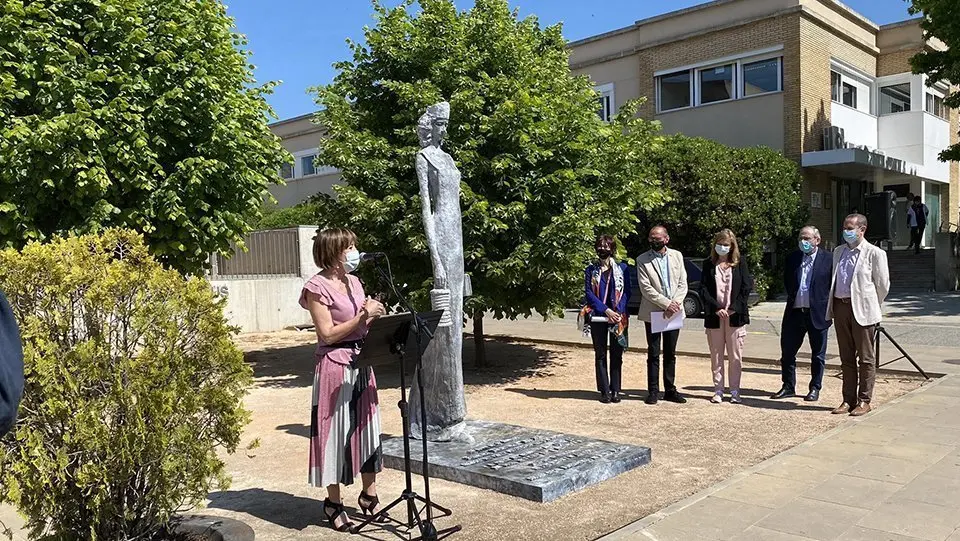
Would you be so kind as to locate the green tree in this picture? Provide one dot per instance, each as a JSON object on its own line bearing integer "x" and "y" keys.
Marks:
{"x": 133, "y": 384}
{"x": 753, "y": 191}
{"x": 135, "y": 113}
{"x": 542, "y": 174}
{"x": 941, "y": 21}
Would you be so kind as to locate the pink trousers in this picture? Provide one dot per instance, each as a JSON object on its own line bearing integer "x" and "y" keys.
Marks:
{"x": 729, "y": 339}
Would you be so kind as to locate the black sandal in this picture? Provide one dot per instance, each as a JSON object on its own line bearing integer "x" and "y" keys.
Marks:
{"x": 338, "y": 511}
{"x": 368, "y": 503}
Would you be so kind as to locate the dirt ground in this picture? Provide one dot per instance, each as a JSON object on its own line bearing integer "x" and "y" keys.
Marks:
{"x": 694, "y": 445}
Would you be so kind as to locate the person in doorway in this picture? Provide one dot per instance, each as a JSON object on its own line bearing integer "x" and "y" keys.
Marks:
{"x": 725, "y": 285}
{"x": 917, "y": 216}
{"x": 806, "y": 276}
{"x": 662, "y": 278}
{"x": 861, "y": 281}
{"x": 345, "y": 416}
{"x": 605, "y": 317}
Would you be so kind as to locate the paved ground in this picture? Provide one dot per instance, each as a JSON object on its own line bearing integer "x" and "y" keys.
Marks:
{"x": 926, "y": 326}
{"x": 893, "y": 475}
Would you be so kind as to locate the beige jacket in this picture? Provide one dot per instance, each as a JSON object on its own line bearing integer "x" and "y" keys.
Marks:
{"x": 869, "y": 286}
{"x": 651, "y": 285}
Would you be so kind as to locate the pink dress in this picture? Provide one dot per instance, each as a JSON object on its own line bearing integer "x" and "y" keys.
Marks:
{"x": 726, "y": 338}
{"x": 345, "y": 416}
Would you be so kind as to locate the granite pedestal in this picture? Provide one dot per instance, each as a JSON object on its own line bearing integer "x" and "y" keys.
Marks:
{"x": 537, "y": 465}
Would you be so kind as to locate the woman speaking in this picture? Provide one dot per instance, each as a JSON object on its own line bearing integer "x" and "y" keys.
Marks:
{"x": 345, "y": 417}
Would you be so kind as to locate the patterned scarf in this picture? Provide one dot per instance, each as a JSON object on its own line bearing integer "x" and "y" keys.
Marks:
{"x": 619, "y": 330}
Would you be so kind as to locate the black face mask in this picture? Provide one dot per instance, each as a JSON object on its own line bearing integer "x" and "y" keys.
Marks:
{"x": 603, "y": 254}
{"x": 657, "y": 245}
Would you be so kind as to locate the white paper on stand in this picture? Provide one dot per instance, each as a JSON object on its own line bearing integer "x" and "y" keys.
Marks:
{"x": 659, "y": 324}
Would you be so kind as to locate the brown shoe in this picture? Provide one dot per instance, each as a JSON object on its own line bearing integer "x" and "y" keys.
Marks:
{"x": 862, "y": 409}
{"x": 842, "y": 408}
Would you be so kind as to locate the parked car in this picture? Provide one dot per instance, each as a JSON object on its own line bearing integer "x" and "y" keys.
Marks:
{"x": 693, "y": 304}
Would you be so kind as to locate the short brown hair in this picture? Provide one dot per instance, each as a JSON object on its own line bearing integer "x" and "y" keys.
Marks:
{"x": 329, "y": 244}
{"x": 734, "y": 256}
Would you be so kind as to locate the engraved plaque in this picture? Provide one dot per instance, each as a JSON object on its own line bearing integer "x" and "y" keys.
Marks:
{"x": 537, "y": 465}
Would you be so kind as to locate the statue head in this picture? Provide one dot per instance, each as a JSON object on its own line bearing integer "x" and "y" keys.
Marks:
{"x": 432, "y": 127}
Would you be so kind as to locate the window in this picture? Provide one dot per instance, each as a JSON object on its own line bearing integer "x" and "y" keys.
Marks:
{"x": 716, "y": 84}
{"x": 936, "y": 106}
{"x": 674, "y": 91}
{"x": 849, "y": 95}
{"x": 835, "y": 86}
{"x": 605, "y": 102}
{"x": 894, "y": 98}
{"x": 761, "y": 77}
{"x": 307, "y": 166}
{"x": 286, "y": 171}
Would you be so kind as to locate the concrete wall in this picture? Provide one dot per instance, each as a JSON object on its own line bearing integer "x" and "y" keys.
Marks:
{"x": 270, "y": 304}
{"x": 716, "y": 122}
{"x": 297, "y": 190}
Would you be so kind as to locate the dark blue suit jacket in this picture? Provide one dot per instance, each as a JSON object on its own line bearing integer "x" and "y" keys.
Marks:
{"x": 11, "y": 367}
{"x": 819, "y": 285}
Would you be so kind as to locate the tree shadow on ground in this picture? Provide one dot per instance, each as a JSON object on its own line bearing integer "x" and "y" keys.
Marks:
{"x": 507, "y": 362}
{"x": 288, "y": 511}
{"x": 758, "y": 398}
{"x": 925, "y": 304}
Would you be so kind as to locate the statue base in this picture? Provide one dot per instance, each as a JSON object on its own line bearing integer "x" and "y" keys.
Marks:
{"x": 537, "y": 465}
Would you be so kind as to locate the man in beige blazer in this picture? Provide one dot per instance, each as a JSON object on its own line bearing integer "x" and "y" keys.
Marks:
{"x": 861, "y": 280}
{"x": 663, "y": 283}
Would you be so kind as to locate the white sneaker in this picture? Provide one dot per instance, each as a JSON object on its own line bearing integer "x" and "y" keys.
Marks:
{"x": 735, "y": 398}
{"x": 717, "y": 398}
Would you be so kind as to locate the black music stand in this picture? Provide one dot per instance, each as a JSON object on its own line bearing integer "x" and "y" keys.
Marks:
{"x": 904, "y": 355}
{"x": 390, "y": 337}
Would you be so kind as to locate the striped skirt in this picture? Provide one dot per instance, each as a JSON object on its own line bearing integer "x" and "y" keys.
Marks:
{"x": 344, "y": 424}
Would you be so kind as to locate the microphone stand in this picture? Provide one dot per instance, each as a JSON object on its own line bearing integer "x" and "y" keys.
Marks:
{"x": 428, "y": 532}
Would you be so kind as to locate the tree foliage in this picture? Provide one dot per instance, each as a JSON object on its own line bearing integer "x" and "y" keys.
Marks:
{"x": 542, "y": 174}
{"x": 753, "y": 191}
{"x": 132, "y": 113}
{"x": 132, "y": 384}
{"x": 941, "y": 21}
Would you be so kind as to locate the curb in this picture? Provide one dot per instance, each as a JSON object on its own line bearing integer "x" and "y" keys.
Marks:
{"x": 213, "y": 528}
{"x": 755, "y": 360}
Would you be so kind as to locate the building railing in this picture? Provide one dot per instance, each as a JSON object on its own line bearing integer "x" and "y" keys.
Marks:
{"x": 269, "y": 254}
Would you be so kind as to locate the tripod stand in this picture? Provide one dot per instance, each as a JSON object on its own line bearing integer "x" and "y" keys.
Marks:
{"x": 397, "y": 330}
{"x": 904, "y": 355}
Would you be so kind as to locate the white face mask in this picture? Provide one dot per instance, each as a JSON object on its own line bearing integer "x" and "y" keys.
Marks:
{"x": 721, "y": 249}
{"x": 352, "y": 262}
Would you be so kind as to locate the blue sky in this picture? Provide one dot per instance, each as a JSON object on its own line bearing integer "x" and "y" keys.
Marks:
{"x": 297, "y": 41}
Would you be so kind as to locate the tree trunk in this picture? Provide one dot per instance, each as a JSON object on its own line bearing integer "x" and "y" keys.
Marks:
{"x": 479, "y": 344}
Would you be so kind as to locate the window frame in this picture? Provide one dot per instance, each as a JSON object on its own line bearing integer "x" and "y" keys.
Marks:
{"x": 690, "y": 91}
{"x": 742, "y": 74}
{"x": 857, "y": 80}
{"x": 293, "y": 171}
{"x": 607, "y": 92}
{"x": 891, "y": 84}
{"x": 698, "y": 90}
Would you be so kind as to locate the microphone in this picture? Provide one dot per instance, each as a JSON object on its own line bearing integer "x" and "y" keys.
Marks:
{"x": 371, "y": 256}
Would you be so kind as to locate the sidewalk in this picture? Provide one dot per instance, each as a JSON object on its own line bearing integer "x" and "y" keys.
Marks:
{"x": 892, "y": 475}
{"x": 762, "y": 344}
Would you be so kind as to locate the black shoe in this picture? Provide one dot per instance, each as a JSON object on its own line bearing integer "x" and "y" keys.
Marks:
{"x": 674, "y": 396}
{"x": 652, "y": 397}
{"x": 784, "y": 393}
{"x": 812, "y": 396}
{"x": 615, "y": 397}
{"x": 333, "y": 511}
{"x": 604, "y": 398}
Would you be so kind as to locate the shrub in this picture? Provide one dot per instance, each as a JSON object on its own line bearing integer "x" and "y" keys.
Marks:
{"x": 133, "y": 383}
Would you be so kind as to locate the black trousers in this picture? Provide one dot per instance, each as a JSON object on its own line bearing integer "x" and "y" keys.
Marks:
{"x": 669, "y": 342}
{"x": 916, "y": 236}
{"x": 796, "y": 325}
{"x": 600, "y": 333}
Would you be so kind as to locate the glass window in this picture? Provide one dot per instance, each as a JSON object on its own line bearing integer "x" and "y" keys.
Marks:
{"x": 849, "y": 97}
{"x": 936, "y": 106}
{"x": 716, "y": 84}
{"x": 895, "y": 99}
{"x": 286, "y": 171}
{"x": 675, "y": 91}
{"x": 604, "y": 108}
{"x": 761, "y": 77}
{"x": 835, "y": 86}
{"x": 307, "y": 166}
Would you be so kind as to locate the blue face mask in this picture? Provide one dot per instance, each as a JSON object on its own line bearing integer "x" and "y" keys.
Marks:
{"x": 850, "y": 235}
{"x": 806, "y": 246}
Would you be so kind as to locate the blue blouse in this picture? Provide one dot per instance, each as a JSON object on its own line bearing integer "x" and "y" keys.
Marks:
{"x": 596, "y": 302}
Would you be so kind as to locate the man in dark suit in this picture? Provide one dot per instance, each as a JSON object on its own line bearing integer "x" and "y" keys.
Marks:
{"x": 11, "y": 367}
{"x": 807, "y": 277}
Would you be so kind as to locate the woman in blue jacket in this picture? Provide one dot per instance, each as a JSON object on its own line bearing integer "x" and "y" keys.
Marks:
{"x": 604, "y": 317}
